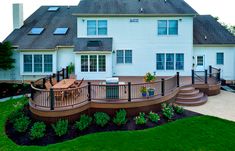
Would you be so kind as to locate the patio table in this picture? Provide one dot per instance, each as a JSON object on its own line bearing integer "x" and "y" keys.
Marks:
{"x": 64, "y": 84}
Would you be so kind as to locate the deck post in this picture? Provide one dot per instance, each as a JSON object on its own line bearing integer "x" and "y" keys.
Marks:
{"x": 52, "y": 101}
{"x": 58, "y": 76}
{"x": 89, "y": 91}
{"x": 206, "y": 78}
{"x": 129, "y": 91}
{"x": 32, "y": 91}
{"x": 210, "y": 71}
{"x": 63, "y": 73}
{"x": 193, "y": 79}
{"x": 67, "y": 72}
{"x": 43, "y": 83}
{"x": 178, "y": 79}
{"x": 163, "y": 86}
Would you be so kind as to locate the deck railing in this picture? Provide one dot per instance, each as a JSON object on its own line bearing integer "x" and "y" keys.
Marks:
{"x": 215, "y": 73}
{"x": 56, "y": 99}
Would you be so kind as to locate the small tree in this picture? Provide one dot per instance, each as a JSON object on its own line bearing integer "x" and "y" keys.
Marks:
{"x": 6, "y": 52}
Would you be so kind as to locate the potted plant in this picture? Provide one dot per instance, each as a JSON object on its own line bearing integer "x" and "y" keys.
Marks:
{"x": 149, "y": 77}
{"x": 151, "y": 91}
{"x": 143, "y": 90}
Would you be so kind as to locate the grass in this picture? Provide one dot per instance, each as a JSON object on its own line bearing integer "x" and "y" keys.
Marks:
{"x": 201, "y": 133}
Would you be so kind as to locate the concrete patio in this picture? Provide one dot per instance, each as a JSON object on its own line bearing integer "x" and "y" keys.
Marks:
{"x": 221, "y": 106}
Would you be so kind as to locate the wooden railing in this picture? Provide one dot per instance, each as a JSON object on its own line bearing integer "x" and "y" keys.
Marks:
{"x": 69, "y": 98}
{"x": 215, "y": 73}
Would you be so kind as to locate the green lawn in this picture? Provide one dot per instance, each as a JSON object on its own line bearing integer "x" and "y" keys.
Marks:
{"x": 197, "y": 133}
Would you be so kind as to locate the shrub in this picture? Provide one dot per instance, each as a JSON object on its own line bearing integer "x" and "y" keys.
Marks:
{"x": 84, "y": 122}
{"x": 149, "y": 77}
{"x": 178, "y": 109}
{"x": 15, "y": 115}
{"x": 61, "y": 127}
{"x": 38, "y": 130}
{"x": 140, "y": 120}
{"x": 154, "y": 117}
{"x": 101, "y": 118}
{"x": 21, "y": 124}
{"x": 120, "y": 118}
{"x": 167, "y": 111}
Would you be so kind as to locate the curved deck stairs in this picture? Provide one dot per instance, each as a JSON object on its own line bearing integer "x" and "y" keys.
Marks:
{"x": 189, "y": 96}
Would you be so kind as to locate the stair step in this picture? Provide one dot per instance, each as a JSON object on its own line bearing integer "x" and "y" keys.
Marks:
{"x": 203, "y": 100}
{"x": 194, "y": 93}
{"x": 190, "y": 98}
{"x": 187, "y": 90}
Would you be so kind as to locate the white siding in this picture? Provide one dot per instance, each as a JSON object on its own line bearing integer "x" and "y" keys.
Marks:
{"x": 65, "y": 56}
{"x": 143, "y": 40}
{"x": 228, "y": 69}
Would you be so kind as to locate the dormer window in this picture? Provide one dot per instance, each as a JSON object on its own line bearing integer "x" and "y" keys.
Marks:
{"x": 94, "y": 43}
{"x": 36, "y": 31}
{"x": 60, "y": 31}
{"x": 53, "y": 9}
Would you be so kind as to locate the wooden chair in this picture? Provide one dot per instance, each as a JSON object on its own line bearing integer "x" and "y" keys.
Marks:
{"x": 77, "y": 91}
{"x": 48, "y": 85}
{"x": 54, "y": 81}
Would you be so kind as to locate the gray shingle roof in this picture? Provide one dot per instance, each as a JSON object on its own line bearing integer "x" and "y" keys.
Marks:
{"x": 207, "y": 26}
{"x": 50, "y": 21}
{"x": 134, "y": 7}
{"x": 100, "y": 44}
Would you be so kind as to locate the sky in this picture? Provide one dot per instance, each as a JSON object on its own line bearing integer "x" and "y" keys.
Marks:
{"x": 224, "y": 9}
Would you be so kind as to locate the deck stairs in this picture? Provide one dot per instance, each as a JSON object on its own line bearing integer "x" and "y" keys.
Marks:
{"x": 189, "y": 96}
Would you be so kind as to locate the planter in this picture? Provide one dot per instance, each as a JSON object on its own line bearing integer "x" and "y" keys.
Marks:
{"x": 144, "y": 94}
{"x": 151, "y": 92}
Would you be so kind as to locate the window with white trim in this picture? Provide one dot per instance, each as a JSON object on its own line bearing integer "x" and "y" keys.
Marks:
{"x": 124, "y": 56}
{"x": 97, "y": 27}
{"x": 37, "y": 63}
{"x": 179, "y": 64}
{"x": 170, "y": 61}
{"x": 167, "y": 27}
{"x": 93, "y": 63}
{"x": 160, "y": 61}
{"x": 28, "y": 65}
{"x": 220, "y": 58}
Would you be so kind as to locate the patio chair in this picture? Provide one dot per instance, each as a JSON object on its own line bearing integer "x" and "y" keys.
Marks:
{"x": 48, "y": 85}
{"x": 54, "y": 81}
{"x": 77, "y": 91}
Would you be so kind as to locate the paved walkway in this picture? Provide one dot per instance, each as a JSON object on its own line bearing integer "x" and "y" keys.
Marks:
{"x": 222, "y": 106}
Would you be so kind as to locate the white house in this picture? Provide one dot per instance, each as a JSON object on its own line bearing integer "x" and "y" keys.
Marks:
{"x": 106, "y": 38}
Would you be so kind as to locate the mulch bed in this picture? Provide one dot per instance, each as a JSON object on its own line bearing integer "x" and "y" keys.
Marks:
{"x": 51, "y": 138}
{"x": 10, "y": 89}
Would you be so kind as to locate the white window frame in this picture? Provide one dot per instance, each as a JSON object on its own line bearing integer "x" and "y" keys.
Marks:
{"x": 97, "y": 63}
{"x": 173, "y": 62}
{"x": 97, "y": 28}
{"x": 168, "y": 26}
{"x": 124, "y": 56}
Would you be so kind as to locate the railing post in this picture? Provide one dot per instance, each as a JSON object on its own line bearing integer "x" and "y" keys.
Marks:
{"x": 129, "y": 91}
{"x": 52, "y": 101}
{"x": 193, "y": 79}
{"x": 89, "y": 91}
{"x": 63, "y": 73}
{"x": 58, "y": 76}
{"x": 206, "y": 78}
{"x": 219, "y": 74}
{"x": 67, "y": 72}
{"x": 178, "y": 79}
{"x": 163, "y": 86}
{"x": 32, "y": 91}
{"x": 43, "y": 83}
{"x": 210, "y": 71}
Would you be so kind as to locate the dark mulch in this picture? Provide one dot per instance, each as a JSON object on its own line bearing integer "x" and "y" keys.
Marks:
{"x": 51, "y": 138}
{"x": 10, "y": 89}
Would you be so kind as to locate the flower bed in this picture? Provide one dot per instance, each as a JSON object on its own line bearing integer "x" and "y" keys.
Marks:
{"x": 10, "y": 89}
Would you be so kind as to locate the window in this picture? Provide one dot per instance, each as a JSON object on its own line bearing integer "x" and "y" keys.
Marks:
{"x": 162, "y": 27}
{"x": 102, "y": 27}
{"x": 36, "y": 31}
{"x": 120, "y": 56}
{"x": 28, "y": 63}
{"x": 48, "y": 63}
{"x": 173, "y": 27}
{"x": 102, "y": 63}
{"x": 84, "y": 63}
{"x": 91, "y": 27}
{"x": 93, "y": 62}
{"x": 37, "y": 63}
{"x": 61, "y": 31}
{"x": 124, "y": 56}
{"x": 97, "y": 27}
{"x": 53, "y": 9}
{"x": 160, "y": 61}
{"x": 128, "y": 56}
{"x": 179, "y": 61}
{"x": 200, "y": 61}
{"x": 169, "y": 61}
{"x": 220, "y": 58}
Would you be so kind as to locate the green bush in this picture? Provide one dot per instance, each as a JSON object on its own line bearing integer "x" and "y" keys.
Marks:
{"x": 167, "y": 111}
{"x": 178, "y": 109}
{"x": 120, "y": 118}
{"x": 154, "y": 117}
{"x": 21, "y": 124}
{"x": 38, "y": 130}
{"x": 61, "y": 127}
{"x": 101, "y": 118}
{"x": 15, "y": 115}
{"x": 140, "y": 120}
{"x": 84, "y": 122}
